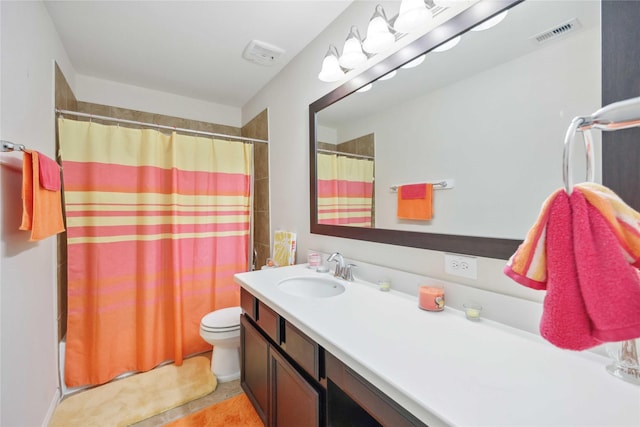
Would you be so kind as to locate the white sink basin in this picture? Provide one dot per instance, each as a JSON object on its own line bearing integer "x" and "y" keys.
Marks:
{"x": 311, "y": 287}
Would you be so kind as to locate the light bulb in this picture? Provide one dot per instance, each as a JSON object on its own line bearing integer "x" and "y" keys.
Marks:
{"x": 414, "y": 63}
{"x": 379, "y": 37}
{"x": 448, "y": 45}
{"x": 331, "y": 70}
{"x": 352, "y": 54}
{"x": 492, "y": 22}
{"x": 388, "y": 76}
{"x": 413, "y": 15}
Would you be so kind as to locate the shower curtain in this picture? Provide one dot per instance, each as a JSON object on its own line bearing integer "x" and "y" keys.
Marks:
{"x": 345, "y": 190}
{"x": 157, "y": 226}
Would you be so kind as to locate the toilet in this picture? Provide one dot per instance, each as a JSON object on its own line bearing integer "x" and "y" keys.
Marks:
{"x": 221, "y": 328}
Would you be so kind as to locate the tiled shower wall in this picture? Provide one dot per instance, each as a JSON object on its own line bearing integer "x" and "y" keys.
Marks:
{"x": 256, "y": 128}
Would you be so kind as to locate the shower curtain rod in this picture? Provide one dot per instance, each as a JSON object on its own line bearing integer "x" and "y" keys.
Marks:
{"x": 357, "y": 156}
{"x": 153, "y": 125}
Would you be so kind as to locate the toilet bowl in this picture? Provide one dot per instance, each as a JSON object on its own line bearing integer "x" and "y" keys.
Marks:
{"x": 221, "y": 329}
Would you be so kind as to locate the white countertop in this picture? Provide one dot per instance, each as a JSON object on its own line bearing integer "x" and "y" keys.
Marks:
{"x": 447, "y": 370}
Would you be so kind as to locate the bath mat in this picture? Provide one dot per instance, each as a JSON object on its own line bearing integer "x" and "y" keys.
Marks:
{"x": 138, "y": 397}
{"x": 236, "y": 411}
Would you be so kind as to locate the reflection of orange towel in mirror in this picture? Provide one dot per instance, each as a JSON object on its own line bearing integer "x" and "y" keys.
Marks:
{"x": 415, "y": 201}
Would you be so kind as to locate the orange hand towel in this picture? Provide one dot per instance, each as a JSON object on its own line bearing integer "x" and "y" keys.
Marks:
{"x": 41, "y": 208}
{"x": 411, "y": 206}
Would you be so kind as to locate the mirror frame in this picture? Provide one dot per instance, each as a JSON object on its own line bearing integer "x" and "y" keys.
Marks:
{"x": 470, "y": 245}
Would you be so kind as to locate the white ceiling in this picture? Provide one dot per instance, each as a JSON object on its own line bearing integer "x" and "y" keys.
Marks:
{"x": 189, "y": 48}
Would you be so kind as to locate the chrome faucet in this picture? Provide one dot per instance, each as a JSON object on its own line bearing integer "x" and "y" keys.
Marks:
{"x": 337, "y": 257}
{"x": 343, "y": 271}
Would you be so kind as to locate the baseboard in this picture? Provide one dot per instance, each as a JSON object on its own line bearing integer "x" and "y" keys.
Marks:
{"x": 52, "y": 407}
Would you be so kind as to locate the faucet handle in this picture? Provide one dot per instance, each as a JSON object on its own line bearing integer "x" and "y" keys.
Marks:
{"x": 348, "y": 272}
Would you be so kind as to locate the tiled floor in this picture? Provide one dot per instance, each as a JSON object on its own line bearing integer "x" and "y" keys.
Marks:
{"x": 223, "y": 391}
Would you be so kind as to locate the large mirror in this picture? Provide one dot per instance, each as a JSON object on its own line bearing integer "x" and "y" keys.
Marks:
{"x": 487, "y": 117}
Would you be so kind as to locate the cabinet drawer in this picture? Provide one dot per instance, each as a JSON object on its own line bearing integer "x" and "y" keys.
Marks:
{"x": 302, "y": 349}
{"x": 385, "y": 410}
{"x": 269, "y": 322}
{"x": 248, "y": 303}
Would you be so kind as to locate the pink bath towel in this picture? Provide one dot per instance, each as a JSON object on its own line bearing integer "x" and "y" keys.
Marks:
{"x": 610, "y": 286}
{"x": 583, "y": 250}
{"x": 564, "y": 322}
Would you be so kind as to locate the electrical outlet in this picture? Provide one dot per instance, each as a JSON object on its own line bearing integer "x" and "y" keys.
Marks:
{"x": 460, "y": 265}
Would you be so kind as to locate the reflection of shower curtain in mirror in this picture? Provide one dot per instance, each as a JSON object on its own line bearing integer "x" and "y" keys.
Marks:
{"x": 345, "y": 190}
{"x": 157, "y": 226}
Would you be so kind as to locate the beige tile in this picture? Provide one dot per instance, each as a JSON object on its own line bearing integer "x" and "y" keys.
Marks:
{"x": 262, "y": 231}
{"x": 258, "y": 127}
{"x": 264, "y": 252}
{"x": 261, "y": 188}
{"x": 261, "y": 160}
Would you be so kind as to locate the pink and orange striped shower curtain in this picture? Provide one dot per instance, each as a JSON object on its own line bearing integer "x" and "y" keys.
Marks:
{"x": 345, "y": 190}
{"x": 156, "y": 227}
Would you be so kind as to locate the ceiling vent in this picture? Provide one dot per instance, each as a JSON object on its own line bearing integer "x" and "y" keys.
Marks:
{"x": 262, "y": 53}
{"x": 557, "y": 31}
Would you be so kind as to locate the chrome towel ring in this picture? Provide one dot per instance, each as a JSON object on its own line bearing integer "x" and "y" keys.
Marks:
{"x": 618, "y": 115}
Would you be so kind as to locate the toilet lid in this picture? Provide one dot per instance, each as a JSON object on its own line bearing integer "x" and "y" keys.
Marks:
{"x": 226, "y": 318}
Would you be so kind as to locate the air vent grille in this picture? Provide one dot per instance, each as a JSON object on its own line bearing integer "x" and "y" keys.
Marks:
{"x": 262, "y": 53}
{"x": 557, "y": 31}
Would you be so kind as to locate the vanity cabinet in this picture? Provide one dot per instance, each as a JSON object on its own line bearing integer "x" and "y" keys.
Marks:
{"x": 280, "y": 386}
{"x": 293, "y": 381}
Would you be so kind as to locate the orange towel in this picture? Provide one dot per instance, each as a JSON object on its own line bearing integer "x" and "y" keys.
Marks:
{"x": 412, "y": 207}
{"x": 41, "y": 208}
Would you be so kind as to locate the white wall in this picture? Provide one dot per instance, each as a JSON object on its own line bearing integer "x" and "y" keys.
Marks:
{"x": 98, "y": 91}
{"x": 493, "y": 152}
{"x": 28, "y": 325}
{"x": 288, "y": 97}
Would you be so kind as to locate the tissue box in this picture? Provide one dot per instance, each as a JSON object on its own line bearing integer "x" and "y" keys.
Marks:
{"x": 284, "y": 248}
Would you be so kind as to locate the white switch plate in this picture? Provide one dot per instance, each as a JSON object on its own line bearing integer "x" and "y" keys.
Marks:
{"x": 460, "y": 265}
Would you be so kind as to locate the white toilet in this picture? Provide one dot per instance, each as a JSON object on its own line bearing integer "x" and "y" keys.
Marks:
{"x": 221, "y": 328}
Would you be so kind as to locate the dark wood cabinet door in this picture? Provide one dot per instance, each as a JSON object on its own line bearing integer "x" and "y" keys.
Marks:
{"x": 254, "y": 360}
{"x": 294, "y": 402}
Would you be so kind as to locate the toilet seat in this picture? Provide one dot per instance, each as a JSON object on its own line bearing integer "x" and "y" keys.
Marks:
{"x": 223, "y": 320}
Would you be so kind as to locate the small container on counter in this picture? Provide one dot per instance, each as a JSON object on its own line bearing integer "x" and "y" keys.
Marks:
{"x": 472, "y": 311}
{"x": 314, "y": 259}
{"x": 384, "y": 285}
{"x": 431, "y": 298}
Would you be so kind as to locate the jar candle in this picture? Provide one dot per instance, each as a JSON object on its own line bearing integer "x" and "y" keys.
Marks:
{"x": 431, "y": 298}
{"x": 472, "y": 310}
{"x": 314, "y": 259}
{"x": 384, "y": 285}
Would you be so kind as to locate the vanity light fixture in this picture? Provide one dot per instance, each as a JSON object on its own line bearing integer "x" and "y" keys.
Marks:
{"x": 352, "y": 54}
{"x": 490, "y": 22}
{"x": 412, "y": 16}
{"x": 379, "y": 36}
{"x": 450, "y": 3}
{"x": 448, "y": 45}
{"x": 331, "y": 70}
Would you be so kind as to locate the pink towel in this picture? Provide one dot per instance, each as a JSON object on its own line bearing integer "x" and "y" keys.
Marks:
{"x": 415, "y": 202}
{"x": 610, "y": 286}
{"x": 564, "y": 322}
{"x": 413, "y": 191}
{"x": 582, "y": 250}
{"x": 49, "y": 172}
